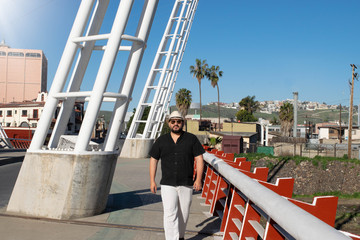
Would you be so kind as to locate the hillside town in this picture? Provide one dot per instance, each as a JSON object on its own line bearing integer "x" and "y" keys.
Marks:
{"x": 271, "y": 106}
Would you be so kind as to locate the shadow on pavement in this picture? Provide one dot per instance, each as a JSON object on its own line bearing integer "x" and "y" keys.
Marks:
{"x": 10, "y": 160}
{"x": 210, "y": 226}
{"x": 133, "y": 199}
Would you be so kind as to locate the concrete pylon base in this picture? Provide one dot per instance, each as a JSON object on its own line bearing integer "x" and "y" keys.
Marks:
{"x": 136, "y": 148}
{"x": 63, "y": 185}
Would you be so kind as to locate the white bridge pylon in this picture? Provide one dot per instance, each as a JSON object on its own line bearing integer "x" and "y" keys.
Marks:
{"x": 162, "y": 77}
{"x": 63, "y": 184}
{"x": 81, "y": 43}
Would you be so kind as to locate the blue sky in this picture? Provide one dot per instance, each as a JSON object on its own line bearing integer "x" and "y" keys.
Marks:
{"x": 265, "y": 48}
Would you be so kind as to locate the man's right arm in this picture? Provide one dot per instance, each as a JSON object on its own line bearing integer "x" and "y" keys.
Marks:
{"x": 152, "y": 171}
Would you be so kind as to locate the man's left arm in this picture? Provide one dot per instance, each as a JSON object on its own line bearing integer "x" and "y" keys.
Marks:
{"x": 199, "y": 172}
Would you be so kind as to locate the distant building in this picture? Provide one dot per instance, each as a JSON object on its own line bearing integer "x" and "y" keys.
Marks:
{"x": 355, "y": 134}
{"x": 329, "y": 130}
{"x": 19, "y": 119}
{"x": 23, "y": 74}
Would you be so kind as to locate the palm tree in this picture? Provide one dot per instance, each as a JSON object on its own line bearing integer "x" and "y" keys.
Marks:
{"x": 183, "y": 101}
{"x": 286, "y": 116}
{"x": 249, "y": 104}
{"x": 214, "y": 74}
{"x": 199, "y": 71}
{"x": 274, "y": 121}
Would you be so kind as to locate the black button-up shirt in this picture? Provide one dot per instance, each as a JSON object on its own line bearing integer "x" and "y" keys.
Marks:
{"x": 177, "y": 159}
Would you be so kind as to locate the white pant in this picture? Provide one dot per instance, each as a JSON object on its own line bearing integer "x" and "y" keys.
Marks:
{"x": 176, "y": 203}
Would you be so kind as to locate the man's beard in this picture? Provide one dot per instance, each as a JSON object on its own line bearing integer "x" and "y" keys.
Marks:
{"x": 177, "y": 131}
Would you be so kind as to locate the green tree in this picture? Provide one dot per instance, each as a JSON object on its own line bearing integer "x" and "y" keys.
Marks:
{"x": 274, "y": 121}
{"x": 214, "y": 74}
{"x": 183, "y": 100}
{"x": 245, "y": 116}
{"x": 199, "y": 71}
{"x": 249, "y": 104}
{"x": 286, "y": 116}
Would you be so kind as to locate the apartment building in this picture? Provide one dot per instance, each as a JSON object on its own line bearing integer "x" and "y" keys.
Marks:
{"x": 23, "y": 74}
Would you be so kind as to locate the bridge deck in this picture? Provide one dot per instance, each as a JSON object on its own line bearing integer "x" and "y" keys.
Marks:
{"x": 133, "y": 212}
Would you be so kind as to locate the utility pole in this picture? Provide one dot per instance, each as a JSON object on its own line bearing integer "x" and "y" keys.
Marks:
{"x": 354, "y": 75}
{"x": 306, "y": 128}
{"x": 295, "y": 113}
{"x": 340, "y": 126}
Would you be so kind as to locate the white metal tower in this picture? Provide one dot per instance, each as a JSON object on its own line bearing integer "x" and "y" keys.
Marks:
{"x": 162, "y": 77}
{"x": 83, "y": 44}
{"x": 75, "y": 183}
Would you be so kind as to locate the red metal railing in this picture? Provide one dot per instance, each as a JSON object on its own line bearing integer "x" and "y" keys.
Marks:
{"x": 20, "y": 143}
{"x": 246, "y": 217}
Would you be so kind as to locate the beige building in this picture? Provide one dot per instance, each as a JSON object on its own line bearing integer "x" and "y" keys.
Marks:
{"x": 23, "y": 74}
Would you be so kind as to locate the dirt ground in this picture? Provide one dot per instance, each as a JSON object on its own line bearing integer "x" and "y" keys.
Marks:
{"x": 348, "y": 216}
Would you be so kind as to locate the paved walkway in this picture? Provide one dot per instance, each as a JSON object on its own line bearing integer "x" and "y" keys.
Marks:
{"x": 133, "y": 212}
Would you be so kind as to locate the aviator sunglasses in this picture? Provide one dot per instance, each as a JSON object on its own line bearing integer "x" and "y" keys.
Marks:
{"x": 175, "y": 121}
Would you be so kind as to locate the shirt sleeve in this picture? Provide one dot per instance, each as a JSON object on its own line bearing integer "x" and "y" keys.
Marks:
{"x": 155, "y": 150}
{"x": 197, "y": 147}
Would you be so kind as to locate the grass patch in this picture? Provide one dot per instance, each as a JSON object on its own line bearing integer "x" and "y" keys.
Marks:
{"x": 253, "y": 156}
{"x": 269, "y": 164}
{"x": 316, "y": 161}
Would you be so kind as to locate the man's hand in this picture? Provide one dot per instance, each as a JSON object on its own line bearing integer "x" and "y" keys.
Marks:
{"x": 197, "y": 185}
{"x": 199, "y": 172}
{"x": 152, "y": 172}
{"x": 153, "y": 187}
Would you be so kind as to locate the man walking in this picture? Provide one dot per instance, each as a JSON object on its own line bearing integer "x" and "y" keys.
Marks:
{"x": 177, "y": 151}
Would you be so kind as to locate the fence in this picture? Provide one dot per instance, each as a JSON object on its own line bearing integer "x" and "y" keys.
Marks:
{"x": 250, "y": 208}
{"x": 305, "y": 149}
{"x": 250, "y": 147}
{"x": 312, "y": 150}
{"x": 20, "y": 143}
{"x": 255, "y": 148}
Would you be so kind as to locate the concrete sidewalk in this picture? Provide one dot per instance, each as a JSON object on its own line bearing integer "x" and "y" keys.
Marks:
{"x": 133, "y": 212}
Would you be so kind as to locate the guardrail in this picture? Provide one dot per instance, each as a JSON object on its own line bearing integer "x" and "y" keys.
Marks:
{"x": 251, "y": 208}
{"x": 20, "y": 143}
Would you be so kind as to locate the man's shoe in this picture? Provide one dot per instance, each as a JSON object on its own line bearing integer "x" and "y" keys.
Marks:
{"x": 181, "y": 238}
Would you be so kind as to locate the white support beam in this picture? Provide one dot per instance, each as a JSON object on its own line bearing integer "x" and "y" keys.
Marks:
{"x": 61, "y": 75}
{"x": 177, "y": 32}
{"x": 130, "y": 74}
{"x": 103, "y": 75}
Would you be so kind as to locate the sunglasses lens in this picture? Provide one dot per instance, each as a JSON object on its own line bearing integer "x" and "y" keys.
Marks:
{"x": 176, "y": 121}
